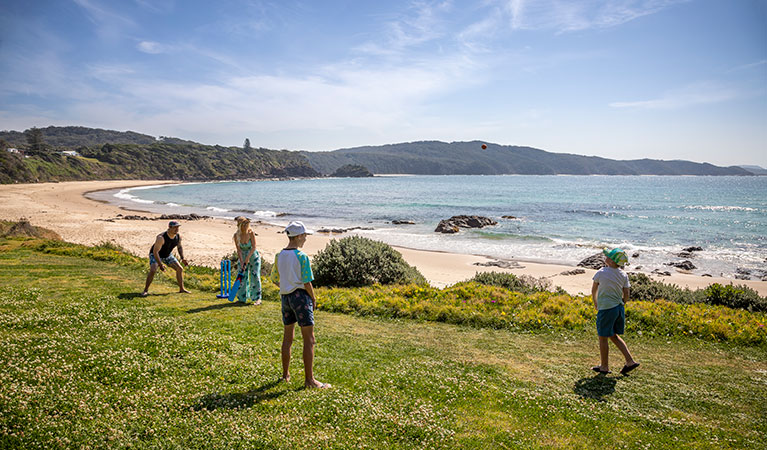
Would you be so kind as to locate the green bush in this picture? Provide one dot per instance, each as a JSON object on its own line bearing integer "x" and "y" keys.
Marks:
{"x": 357, "y": 261}
{"x": 644, "y": 288}
{"x": 525, "y": 283}
{"x": 741, "y": 296}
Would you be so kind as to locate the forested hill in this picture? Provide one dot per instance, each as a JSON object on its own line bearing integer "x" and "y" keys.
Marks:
{"x": 442, "y": 158}
{"x": 106, "y": 154}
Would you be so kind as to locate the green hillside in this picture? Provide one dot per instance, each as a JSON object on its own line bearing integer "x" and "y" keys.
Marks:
{"x": 104, "y": 154}
{"x": 469, "y": 158}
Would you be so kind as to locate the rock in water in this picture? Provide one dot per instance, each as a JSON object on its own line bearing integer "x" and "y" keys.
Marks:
{"x": 593, "y": 262}
{"x": 455, "y": 223}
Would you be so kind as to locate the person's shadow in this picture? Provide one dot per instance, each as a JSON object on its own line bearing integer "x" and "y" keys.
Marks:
{"x": 237, "y": 400}
{"x": 132, "y": 295}
{"x": 217, "y": 306}
{"x": 596, "y": 387}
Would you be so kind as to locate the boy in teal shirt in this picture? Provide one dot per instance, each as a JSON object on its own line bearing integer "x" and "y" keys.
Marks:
{"x": 609, "y": 292}
{"x": 293, "y": 272}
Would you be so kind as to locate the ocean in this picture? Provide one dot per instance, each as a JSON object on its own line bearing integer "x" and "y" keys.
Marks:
{"x": 558, "y": 219}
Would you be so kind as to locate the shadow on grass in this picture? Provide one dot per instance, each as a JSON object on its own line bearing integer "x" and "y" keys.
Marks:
{"x": 132, "y": 295}
{"x": 237, "y": 400}
{"x": 218, "y": 306}
{"x": 596, "y": 387}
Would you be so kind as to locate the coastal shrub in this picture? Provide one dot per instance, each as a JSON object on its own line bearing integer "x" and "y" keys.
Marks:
{"x": 740, "y": 296}
{"x": 474, "y": 304}
{"x": 357, "y": 261}
{"x": 525, "y": 283}
{"x": 644, "y": 288}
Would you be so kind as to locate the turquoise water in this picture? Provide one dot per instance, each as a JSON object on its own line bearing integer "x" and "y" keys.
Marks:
{"x": 558, "y": 218}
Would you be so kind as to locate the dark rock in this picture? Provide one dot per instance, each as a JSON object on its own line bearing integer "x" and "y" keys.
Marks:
{"x": 685, "y": 265}
{"x": 341, "y": 230}
{"x": 455, "y": 223}
{"x": 403, "y": 222}
{"x": 501, "y": 264}
{"x": 593, "y": 262}
{"x": 743, "y": 271}
{"x": 741, "y": 276}
{"x": 352, "y": 171}
{"x": 573, "y": 272}
{"x": 684, "y": 255}
{"x": 664, "y": 273}
{"x": 692, "y": 249}
{"x": 707, "y": 275}
{"x": 509, "y": 217}
{"x": 192, "y": 216}
{"x": 635, "y": 255}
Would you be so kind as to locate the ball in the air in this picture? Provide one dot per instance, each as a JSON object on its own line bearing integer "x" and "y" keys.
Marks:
{"x": 484, "y": 146}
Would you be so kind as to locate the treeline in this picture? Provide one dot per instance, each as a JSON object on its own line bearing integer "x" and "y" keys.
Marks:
{"x": 40, "y": 160}
{"x": 469, "y": 158}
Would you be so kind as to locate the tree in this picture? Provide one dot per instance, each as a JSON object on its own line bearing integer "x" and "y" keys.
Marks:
{"x": 35, "y": 140}
{"x": 246, "y": 145}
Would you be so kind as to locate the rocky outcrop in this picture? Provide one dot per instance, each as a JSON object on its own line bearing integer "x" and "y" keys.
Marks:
{"x": 192, "y": 216}
{"x": 501, "y": 264}
{"x": 455, "y": 223}
{"x": 403, "y": 222}
{"x": 595, "y": 262}
{"x": 692, "y": 249}
{"x": 684, "y": 265}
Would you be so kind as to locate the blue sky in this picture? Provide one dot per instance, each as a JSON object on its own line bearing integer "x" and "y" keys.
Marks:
{"x": 624, "y": 79}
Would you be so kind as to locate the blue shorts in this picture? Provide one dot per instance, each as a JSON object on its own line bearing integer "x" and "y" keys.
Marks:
{"x": 297, "y": 307}
{"x": 169, "y": 260}
{"x": 611, "y": 321}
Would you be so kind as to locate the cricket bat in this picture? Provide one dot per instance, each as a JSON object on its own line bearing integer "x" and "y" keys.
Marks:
{"x": 236, "y": 286}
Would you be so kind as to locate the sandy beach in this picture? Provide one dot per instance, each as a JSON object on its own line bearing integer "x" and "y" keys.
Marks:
{"x": 63, "y": 208}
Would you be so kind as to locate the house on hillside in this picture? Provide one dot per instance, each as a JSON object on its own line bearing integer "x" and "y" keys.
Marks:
{"x": 14, "y": 150}
{"x": 70, "y": 153}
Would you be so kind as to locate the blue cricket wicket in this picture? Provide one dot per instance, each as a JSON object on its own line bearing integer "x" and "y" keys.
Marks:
{"x": 226, "y": 278}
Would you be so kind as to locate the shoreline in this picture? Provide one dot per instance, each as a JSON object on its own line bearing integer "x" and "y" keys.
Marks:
{"x": 63, "y": 208}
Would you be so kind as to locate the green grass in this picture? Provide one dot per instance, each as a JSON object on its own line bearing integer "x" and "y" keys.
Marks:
{"x": 88, "y": 363}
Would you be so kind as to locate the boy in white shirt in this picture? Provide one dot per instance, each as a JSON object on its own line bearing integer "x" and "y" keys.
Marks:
{"x": 293, "y": 272}
{"x": 609, "y": 292}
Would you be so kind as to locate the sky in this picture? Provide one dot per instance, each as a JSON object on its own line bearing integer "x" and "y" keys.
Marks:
{"x": 622, "y": 79}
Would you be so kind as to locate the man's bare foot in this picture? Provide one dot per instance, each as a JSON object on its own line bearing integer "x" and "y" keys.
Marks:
{"x": 285, "y": 379}
{"x": 257, "y": 302}
{"x": 184, "y": 291}
{"x": 314, "y": 384}
{"x": 144, "y": 294}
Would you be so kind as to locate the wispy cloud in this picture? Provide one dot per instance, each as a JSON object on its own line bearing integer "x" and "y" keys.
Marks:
{"x": 565, "y": 16}
{"x": 153, "y": 48}
{"x": 109, "y": 23}
{"x": 749, "y": 66}
{"x": 693, "y": 95}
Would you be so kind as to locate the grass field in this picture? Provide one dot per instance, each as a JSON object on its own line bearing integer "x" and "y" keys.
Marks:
{"x": 87, "y": 363}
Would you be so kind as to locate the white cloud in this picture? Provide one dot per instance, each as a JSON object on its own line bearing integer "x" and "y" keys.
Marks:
{"x": 153, "y": 48}
{"x": 566, "y": 15}
{"x": 693, "y": 95}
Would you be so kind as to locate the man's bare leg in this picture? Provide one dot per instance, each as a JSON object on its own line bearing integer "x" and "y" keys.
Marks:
{"x": 287, "y": 342}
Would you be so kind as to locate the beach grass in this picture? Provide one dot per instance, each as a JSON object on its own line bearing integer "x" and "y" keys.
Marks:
{"x": 88, "y": 363}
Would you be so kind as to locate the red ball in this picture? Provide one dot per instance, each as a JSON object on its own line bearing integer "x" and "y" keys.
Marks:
{"x": 484, "y": 146}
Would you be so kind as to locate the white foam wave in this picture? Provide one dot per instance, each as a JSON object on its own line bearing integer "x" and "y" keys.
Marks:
{"x": 124, "y": 195}
{"x": 214, "y": 209}
{"x": 266, "y": 214}
{"x": 720, "y": 208}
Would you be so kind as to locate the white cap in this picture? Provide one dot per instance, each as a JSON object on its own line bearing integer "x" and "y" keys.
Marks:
{"x": 296, "y": 228}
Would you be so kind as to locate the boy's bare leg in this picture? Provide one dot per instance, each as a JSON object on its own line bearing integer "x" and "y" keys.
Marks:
{"x": 604, "y": 351}
{"x": 622, "y": 347}
{"x": 307, "y": 333}
{"x": 287, "y": 342}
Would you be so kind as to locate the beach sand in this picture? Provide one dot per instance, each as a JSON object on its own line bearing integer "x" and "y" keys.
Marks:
{"x": 63, "y": 208}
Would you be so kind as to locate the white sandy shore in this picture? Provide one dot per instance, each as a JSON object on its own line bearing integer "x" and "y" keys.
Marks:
{"x": 63, "y": 208}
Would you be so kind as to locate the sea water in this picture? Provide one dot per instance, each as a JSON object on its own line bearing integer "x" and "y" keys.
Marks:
{"x": 560, "y": 219}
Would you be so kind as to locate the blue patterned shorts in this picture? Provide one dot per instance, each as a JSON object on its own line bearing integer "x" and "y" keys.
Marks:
{"x": 611, "y": 321}
{"x": 169, "y": 260}
{"x": 297, "y": 307}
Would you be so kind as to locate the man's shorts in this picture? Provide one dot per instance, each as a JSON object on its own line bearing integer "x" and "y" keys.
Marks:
{"x": 168, "y": 261}
{"x": 297, "y": 307}
{"x": 611, "y": 321}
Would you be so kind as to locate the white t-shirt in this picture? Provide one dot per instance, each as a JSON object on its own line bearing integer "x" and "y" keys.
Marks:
{"x": 611, "y": 283}
{"x": 291, "y": 270}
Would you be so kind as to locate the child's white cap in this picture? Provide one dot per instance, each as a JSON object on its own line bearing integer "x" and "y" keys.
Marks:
{"x": 297, "y": 228}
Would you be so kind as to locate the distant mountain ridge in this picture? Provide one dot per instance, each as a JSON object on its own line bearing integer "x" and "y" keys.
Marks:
{"x": 469, "y": 158}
